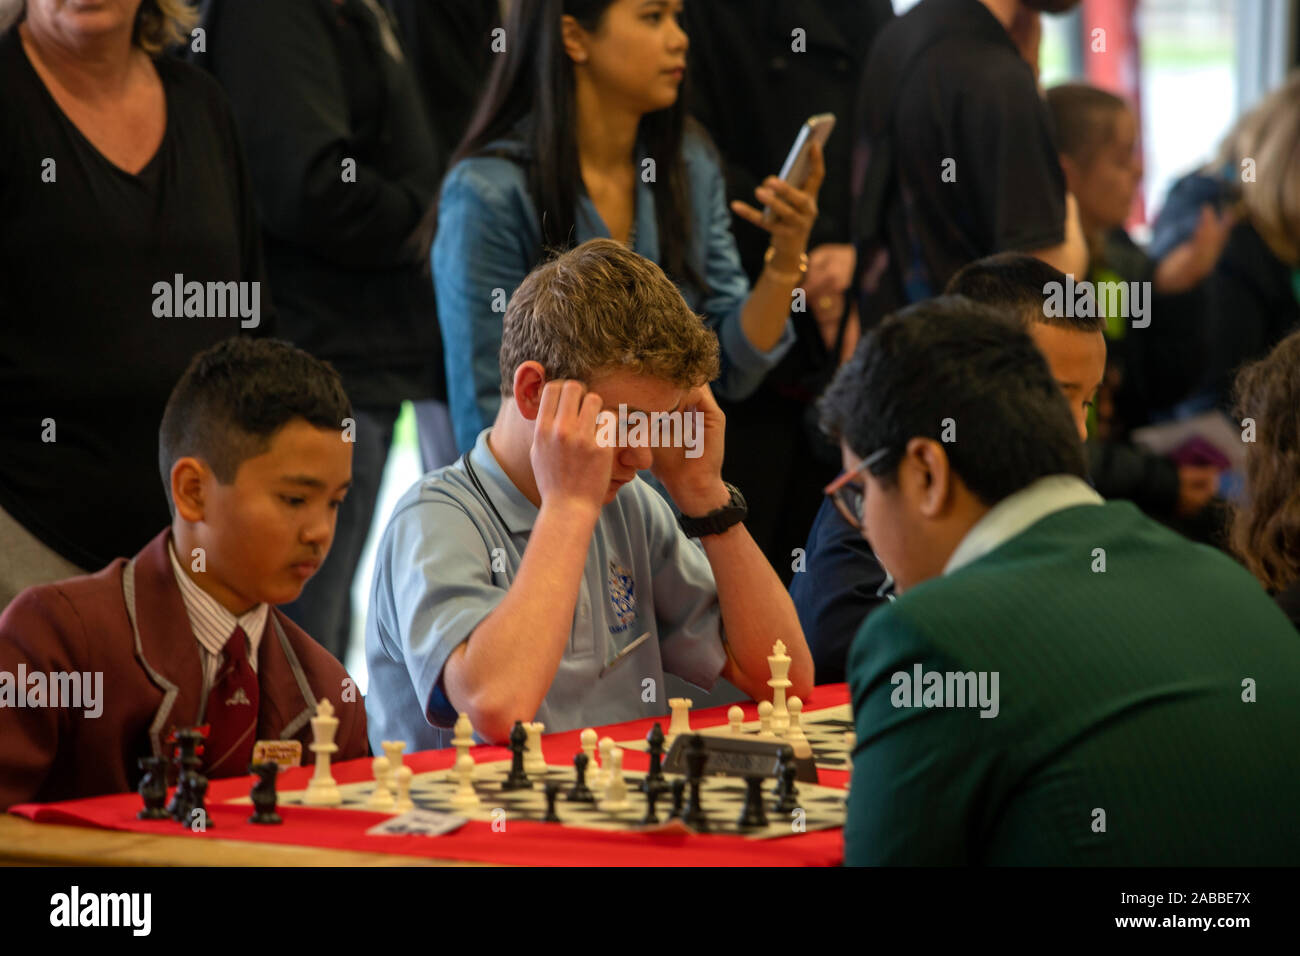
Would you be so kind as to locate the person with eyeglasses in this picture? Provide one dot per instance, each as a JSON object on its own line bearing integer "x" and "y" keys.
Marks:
{"x": 844, "y": 582}
{"x": 1062, "y": 680}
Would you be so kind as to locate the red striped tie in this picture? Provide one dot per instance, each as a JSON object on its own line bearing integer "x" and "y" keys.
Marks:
{"x": 232, "y": 711}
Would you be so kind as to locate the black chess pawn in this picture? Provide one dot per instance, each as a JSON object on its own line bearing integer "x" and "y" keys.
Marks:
{"x": 696, "y": 757}
{"x": 188, "y": 797}
{"x": 517, "y": 779}
{"x": 186, "y": 758}
{"x": 187, "y": 740}
{"x": 581, "y": 793}
{"x": 679, "y": 796}
{"x": 182, "y": 798}
{"x": 263, "y": 794}
{"x": 552, "y": 789}
{"x": 786, "y": 793}
{"x": 655, "y": 776}
{"x": 652, "y": 792}
{"x": 152, "y": 789}
{"x": 752, "y": 816}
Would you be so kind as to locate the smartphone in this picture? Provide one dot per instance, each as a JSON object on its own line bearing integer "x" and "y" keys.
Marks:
{"x": 795, "y": 168}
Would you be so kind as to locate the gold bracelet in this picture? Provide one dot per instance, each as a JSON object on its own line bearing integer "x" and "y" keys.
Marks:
{"x": 790, "y": 278}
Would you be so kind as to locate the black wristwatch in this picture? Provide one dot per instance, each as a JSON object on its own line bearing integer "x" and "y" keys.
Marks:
{"x": 719, "y": 520}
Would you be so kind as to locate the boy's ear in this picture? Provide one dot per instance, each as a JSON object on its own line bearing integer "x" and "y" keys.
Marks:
{"x": 530, "y": 378}
{"x": 1072, "y": 172}
{"x": 932, "y": 475}
{"x": 188, "y": 476}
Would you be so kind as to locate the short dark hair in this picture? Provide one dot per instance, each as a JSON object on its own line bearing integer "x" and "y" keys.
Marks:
{"x": 1014, "y": 283}
{"x": 1082, "y": 118}
{"x": 953, "y": 358}
{"x": 236, "y": 395}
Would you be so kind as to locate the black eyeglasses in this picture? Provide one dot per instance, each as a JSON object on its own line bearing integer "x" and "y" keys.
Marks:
{"x": 848, "y": 496}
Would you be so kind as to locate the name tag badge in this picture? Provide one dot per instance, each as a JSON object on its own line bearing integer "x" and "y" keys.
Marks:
{"x": 287, "y": 753}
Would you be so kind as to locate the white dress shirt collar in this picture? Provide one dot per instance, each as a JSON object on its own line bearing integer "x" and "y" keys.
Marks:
{"x": 1015, "y": 513}
{"x": 213, "y": 624}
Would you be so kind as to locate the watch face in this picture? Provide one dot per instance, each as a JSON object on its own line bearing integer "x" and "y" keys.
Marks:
{"x": 737, "y": 499}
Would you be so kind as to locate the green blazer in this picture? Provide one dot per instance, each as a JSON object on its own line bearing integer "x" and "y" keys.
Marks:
{"x": 1147, "y": 714}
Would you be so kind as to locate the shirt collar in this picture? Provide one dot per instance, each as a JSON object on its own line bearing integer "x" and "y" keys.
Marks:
{"x": 211, "y": 622}
{"x": 516, "y": 511}
{"x": 1015, "y": 513}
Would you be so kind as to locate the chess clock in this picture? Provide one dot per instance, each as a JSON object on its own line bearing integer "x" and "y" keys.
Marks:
{"x": 738, "y": 757}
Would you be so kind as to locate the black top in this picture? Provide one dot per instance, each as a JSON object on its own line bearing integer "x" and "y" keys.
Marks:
{"x": 963, "y": 93}
{"x": 81, "y": 345}
{"x": 835, "y": 592}
{"x": 449, "y": 43}
{"x": 1252, "y": 303}
{"x": 314, "y": 84}
{"x": 744, "y": 47}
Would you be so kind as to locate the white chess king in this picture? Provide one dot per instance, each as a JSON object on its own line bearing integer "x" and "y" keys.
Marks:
{"x": 779, "y": 663}
{"x": 321, "y": 791}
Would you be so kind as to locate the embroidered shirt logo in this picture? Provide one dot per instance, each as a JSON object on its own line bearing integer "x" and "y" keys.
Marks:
{"x": 238, "y": 697}
{"x": 622, "y": 597}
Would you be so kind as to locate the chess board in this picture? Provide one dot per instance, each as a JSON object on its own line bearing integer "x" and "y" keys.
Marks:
{"x": 825, "y": 730}
{"x": 723, "y": 798}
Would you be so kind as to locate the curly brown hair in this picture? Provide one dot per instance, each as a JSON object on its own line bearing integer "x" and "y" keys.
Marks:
{"x": 601, "y": 307}
{"x": 1266, "y": 531}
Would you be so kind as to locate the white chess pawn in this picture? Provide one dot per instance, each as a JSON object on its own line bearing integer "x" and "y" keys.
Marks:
{"x": 616, "y": 786}
{"x": 534, "y": 760}
{"x": 404, "y": 802}
{"x": 735, "y": 717}
{"x": 464, "y": 798}
{"x": 794, "y": 732}
{"x": 393, "y": 751}
{"x": 463, "y": 736}
{"x": 588, "y": 739}
{"x": 603, "y": 774}
{"x": 765, "y": 719}
{"x": 382, "y": 798}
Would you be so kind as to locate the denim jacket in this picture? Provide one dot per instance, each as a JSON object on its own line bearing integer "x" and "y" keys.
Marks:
{"x": 489, "y": 239}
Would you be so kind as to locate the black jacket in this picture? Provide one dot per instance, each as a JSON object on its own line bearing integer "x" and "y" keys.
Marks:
{"x": 344, "y": 167}
{"x": 1253, "y": 302}
{"x": 450, "y": 47}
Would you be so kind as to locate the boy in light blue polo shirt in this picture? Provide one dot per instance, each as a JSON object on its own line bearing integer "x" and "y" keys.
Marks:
{"x": 539, "y": 578}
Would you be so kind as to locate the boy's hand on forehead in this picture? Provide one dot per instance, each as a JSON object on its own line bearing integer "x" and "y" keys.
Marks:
{"x": 569, "y": 464}
{"x": 692, "y": 471}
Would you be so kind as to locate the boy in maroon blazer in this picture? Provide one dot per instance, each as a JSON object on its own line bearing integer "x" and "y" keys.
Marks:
{"x": 255, "y": 450}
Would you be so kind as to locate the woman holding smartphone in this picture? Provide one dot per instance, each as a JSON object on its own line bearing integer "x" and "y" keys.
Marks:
{"x": 583, "y": 133}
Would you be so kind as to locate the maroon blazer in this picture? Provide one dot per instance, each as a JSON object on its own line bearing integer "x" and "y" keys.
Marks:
{"x": 128, "y": 621}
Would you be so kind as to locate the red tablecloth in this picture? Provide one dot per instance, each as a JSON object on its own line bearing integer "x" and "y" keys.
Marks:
{"x": 522, "y": 842}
